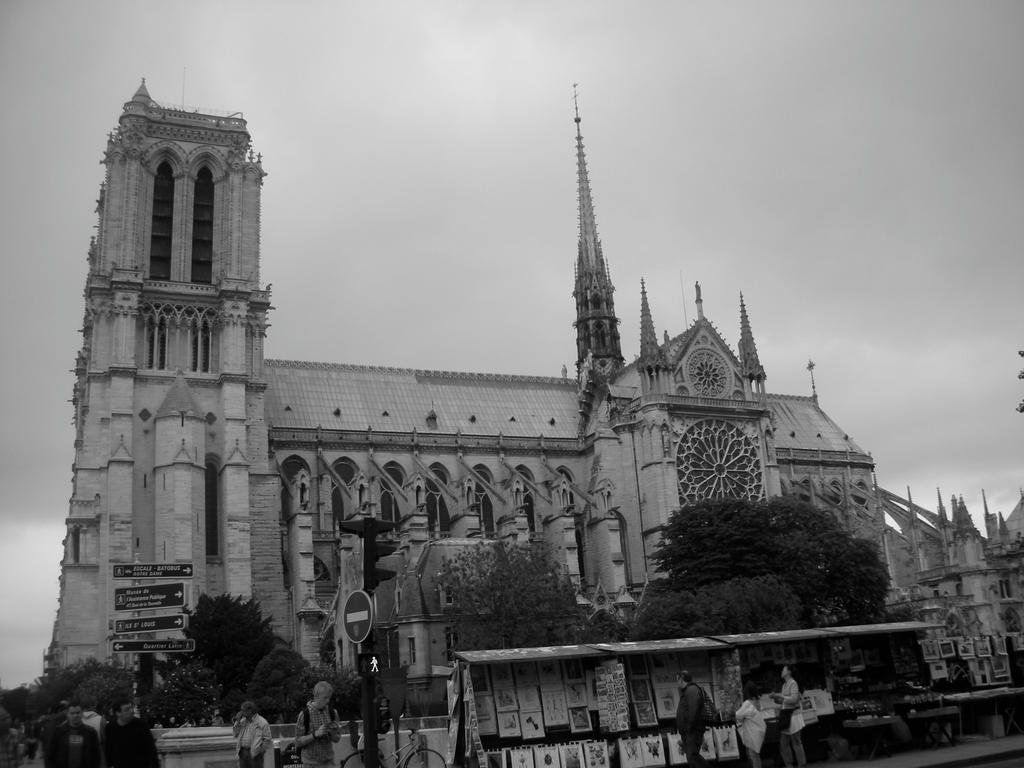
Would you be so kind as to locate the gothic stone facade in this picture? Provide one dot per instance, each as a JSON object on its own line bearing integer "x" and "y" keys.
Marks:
{"x": 190, "y": 447}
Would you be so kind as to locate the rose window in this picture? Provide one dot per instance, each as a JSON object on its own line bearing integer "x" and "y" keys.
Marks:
{"x": 715, "y": 460}
{"x": 707, "y": 373}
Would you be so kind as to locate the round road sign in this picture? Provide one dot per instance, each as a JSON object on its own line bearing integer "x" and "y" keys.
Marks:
{"x": 357, "y": 616}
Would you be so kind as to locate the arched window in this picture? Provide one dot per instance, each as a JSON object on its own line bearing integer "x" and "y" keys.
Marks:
{"x": 481, "y": 501}
{"x": 156, "y": 343}
{"x": 201, "y": 332}
{"x": 346, "y": 470}
{"x": 163, "y": 221}
{"x": 202, "y": 228}
{"x": 581, "y": 555}
{"x": 337, "y": 507}
{"x": 212, "y": 511}
{"x": 437, "y": 509}
{"x": 388, "y": 504}
{"x": 566, "y": 497}
{"x": 526, "y": 501}
{"x": 76, "y": 544}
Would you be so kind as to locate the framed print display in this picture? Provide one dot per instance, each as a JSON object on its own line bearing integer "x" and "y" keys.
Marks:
{"x": 630, "y": 754}
{"x": 980, "y": 672}
{"x": 548, "y": 672}
{"x": 639, "y": 690}
{"x": 556, "y": 711}
{"x": 947, "y": 648}
{"x": 999, "y": 646}
{"x": 521, "y": 757}
{"x": 576, "y": 694}
{"x": 1000, "y": 668}
{"x": 501, "y": 675}
{"x": 532, "y": 724}
{"x": 982, "y": 647}
{"x": 486, "y": 719}
{"x": 579, "y": 720}
{"x": 965, "y": 647}
{"x": 481, "y": 679}
{"x": 726, "y": 744}
{"x": 930, "y": 650}
{"x": 546, "y": 756}
{"x": 508, "y": 726}
{"x": 525, "y": 673}
{"x": 505, "y": 699}
{"x": 653, "y": 749}
{"x": 572, "y": 755}
{"x": 529, "y": 697}
{"x": 857, "y": 663}
{"x": 592, "y": 688}
{"x": 937, "y": 670}
{"x": 494, "y": 760}
{"x": 595, "y": 755}
{"x": 676, "y": 752}
{"x": 573, "y": 669}
{"x": 666, "y": 702}
{"x": 644, "y": 713}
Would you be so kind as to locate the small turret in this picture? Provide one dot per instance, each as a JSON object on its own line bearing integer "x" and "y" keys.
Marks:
{"x": 651, "y": 365}
{"x": 752, "y": 370}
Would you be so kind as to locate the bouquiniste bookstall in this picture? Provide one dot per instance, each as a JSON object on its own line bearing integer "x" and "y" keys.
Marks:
{"x": 613, "y": 705}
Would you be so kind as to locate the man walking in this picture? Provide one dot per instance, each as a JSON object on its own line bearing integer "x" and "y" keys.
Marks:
{"x": 10, "y": 742}
{"x": 128, "y": 742}
{"x": 73, "y": 744}
{"x": 690, "y": 720}
{"x": 252, "y": 736}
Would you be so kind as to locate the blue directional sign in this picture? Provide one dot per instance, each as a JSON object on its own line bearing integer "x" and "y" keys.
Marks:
{"x": 149, "y": 596}
{"x": 151, "y": 624}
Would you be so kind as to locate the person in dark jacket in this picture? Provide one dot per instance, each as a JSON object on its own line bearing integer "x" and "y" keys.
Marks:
{"x": 690, "y": 720}
{"x": 128, "y": 742}
{"x": 72, "y": 743}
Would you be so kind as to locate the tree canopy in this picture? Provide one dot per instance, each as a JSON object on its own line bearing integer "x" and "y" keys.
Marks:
{"x": 188, "y": 691}
{"x": 231, "y": 637}
{"x": 508, "y": 597}
{"x": 92, "y": 681}
{"x": 836, "y": 577}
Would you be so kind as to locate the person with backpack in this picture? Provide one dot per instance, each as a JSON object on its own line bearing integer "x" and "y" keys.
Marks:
{"x": 692, "y": 720}
{"x": 317, "y": 728}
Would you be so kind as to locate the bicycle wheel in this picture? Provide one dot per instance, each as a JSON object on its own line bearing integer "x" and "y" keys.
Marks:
{"x": 355, "y": 760}
{"x": 423, "y": 758}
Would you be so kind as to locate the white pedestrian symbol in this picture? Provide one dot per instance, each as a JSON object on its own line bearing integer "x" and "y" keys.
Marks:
{"x": 373, "y": 664}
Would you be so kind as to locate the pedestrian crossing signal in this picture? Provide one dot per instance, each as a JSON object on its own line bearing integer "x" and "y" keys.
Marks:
{"x": 369, "y": 664}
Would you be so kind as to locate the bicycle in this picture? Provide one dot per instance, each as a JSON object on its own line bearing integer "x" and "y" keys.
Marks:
{"x": 414, "y": 754}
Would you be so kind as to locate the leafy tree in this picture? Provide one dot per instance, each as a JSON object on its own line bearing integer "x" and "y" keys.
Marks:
{"x": 231, "y": 637}
{"x": 508, "y": 597}
{"x": 91, "y": 680}
{"x": 15, "y": 701}
{"x": 279, "y": 684}
{"x": 836, "y": 577}
{"x": 188, "y": 691}
{"x": 761, "y": 604}
{"x": 104, "y": 685}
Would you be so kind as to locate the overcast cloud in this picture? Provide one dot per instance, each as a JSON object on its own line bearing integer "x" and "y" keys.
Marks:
{"x": 856, "y": 169}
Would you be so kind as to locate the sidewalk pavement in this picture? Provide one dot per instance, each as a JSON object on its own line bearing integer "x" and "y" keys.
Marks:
{"x": 973, "y": 750}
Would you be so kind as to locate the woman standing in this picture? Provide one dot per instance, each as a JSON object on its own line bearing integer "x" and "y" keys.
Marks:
{"x": 791, "y": 722}
{"x": 750, "y": 723}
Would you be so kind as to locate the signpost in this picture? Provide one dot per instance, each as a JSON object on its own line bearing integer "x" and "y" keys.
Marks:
{"x": 357, "y": 616}
{"x": 151, "y": 624}
{"x": 153, "y": 646}
{"x": 149, "y": 597}
{"x": 153, "y": 571}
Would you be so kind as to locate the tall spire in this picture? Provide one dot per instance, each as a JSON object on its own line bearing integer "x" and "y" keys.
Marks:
{"x": 590, "y": 255}
{"x": 598, "y": 349}
{"x": 753, "y": 371}
{"x": 942, "y": 509}
{"x": 648, "y": 338}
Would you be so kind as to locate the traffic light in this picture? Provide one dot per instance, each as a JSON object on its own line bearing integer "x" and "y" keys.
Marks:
{"x": 368, "y": 664}
{"x": 368, "y": 529}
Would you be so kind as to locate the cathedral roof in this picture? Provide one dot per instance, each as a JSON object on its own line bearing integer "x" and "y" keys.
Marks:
{"x": 337, "y": 396}
{"x": 800, "y": 423}
{"x": 179, "y": 400}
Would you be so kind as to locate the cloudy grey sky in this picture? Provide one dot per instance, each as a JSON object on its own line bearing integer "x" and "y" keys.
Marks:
{"x": 855, "y": 168}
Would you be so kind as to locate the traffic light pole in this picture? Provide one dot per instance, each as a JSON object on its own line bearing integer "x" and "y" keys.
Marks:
{"x": 371, "y": 756}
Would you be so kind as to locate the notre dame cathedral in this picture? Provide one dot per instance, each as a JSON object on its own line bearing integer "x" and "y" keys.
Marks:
{"x": 192, "y": 447}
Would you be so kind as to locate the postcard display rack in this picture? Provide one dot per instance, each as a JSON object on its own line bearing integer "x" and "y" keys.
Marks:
{"x": 588, "y": 712}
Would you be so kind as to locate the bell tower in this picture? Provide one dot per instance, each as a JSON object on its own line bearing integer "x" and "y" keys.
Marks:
{"x": 170, "y": 445}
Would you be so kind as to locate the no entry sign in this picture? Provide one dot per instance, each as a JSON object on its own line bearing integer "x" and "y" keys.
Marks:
{"x": 357, "y": 616}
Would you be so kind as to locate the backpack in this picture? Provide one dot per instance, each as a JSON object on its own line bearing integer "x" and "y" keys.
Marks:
{"x": 710, "y": 715}
{"x": 304, "y": 717}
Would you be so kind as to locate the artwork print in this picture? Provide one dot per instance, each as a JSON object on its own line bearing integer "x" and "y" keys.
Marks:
{"x": 666, "y": 701}
{"x": 572, "y": 755}
{"x": 508, "y": 726}
{"x": 532, "y": 724}
{"x": 579, "y": 719}
{"x": 556, "y": 711}
{"x": 529, "y": 698}
{"x": 653, "y": 749}
{"x": 546, "y": 756}
{"x": 595, "y": 754}
{"x": 501, "y": 675}
{"x": 505, "y": 699}
{"x": 947, "y": 649}
{"x": 630, "y": 754}
{"x": 676, "y": 751}
{"x": 639, "y": 690}
{"x": 644, "y": 713}
{"x": 576, "y": 694}
{"x": 521, "y": 758}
